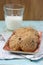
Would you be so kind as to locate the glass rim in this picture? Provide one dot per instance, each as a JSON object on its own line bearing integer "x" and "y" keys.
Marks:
{"x": 11, "y": 8}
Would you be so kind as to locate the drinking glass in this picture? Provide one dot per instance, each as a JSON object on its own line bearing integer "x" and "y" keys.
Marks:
{"x": 13, "y": 15}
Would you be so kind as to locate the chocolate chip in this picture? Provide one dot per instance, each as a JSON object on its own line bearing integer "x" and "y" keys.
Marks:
{"x": 19, "y": 38}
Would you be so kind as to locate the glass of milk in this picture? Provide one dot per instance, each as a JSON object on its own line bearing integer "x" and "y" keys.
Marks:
{"x": 13, "y": 15}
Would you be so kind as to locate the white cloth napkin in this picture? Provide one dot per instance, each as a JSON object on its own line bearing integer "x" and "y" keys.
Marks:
{"x": 6, "y": 55}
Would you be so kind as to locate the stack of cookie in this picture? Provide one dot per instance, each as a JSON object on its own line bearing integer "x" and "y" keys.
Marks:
{"x": 24, "y": 39}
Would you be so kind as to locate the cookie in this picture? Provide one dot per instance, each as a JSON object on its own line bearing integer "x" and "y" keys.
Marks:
{"x": 14, "y": 43}
{"x": 29, "y": 43}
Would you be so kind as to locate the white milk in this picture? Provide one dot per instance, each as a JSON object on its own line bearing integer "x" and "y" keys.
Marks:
{"x": 13, "y": 22}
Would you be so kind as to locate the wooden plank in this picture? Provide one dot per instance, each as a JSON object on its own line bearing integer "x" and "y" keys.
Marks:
{"x": 2, "y": 2}
{"x": 36, "y": 11}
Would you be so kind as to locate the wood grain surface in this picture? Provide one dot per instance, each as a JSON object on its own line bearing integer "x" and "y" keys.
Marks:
{"x": 33, "y": 8}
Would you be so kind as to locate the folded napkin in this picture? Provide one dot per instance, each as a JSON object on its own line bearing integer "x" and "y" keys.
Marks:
{"x": 6, "y": 55}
